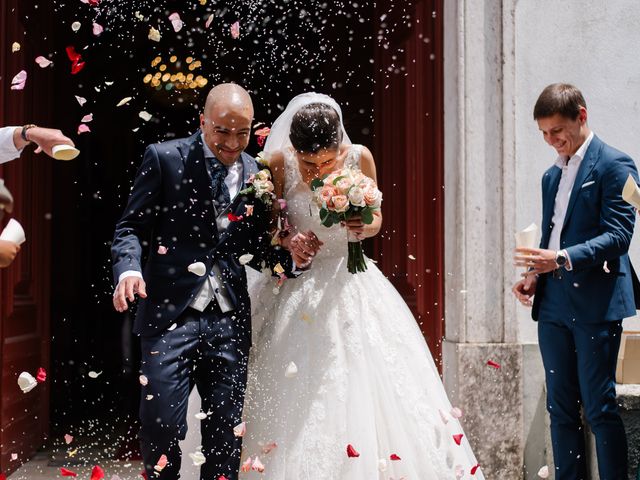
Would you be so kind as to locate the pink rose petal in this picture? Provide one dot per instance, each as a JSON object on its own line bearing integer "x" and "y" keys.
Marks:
{"x": 246, "y": 466}
{"x": 68, "y": 439}
{"x": 456, "y": 412}
{"x": 268, "y": 447}
{"x": 81, "y": 100}
{"x": 43, "y": 62}
{"x": 83, "y": 128}
{"x": 235, "y": 30}
{"x": 240, "y": 429}
{"x": 87, "y": 118}
{"x": 176, "y": 21}
{"x": 97, "y": 29}
{"x": 19, "y": 80}
{"x": 257, "y": 466}
{"x": 162, "y": 250}
{"x": 493, "y": 364}
{"x": 207, "y": 24}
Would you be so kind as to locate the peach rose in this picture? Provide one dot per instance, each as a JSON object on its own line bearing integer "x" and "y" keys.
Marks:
{"x": 326, "y": 194}
{"x": 340, "y": 203}
{"x": 373, "y": 196}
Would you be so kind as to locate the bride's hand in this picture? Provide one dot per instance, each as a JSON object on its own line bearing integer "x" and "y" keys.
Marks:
{"x": 356, "y": 227}
{"x": 303, "y": 247}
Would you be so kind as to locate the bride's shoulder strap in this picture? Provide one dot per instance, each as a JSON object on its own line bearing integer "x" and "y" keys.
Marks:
{"x": 291, "y": 172}
{"x": 353, "y": 157}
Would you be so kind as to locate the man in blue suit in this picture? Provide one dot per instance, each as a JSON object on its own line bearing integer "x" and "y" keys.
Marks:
{"x": 581, "y": 281}
{"x": 190, "y": 205}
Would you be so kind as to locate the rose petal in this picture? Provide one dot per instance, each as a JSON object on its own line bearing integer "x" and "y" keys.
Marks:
{"x": 26, "y": 382}
{"x": 97, "y": 29}
{"x": 83, "y": 128}
{"x": 162, "y": 250}
{"x": 475, "y": 468}
{"x": 269, "y": 447}
{"x": 15, "y": 47}
{"x": 291, "y": 371}
{"x": 456, "y": 412}
{"x": 235, "y": 30}
{"x": 257, "y": 466}
{"x": 124, "y": 101}
{"x": 41, "y": 376}
{"x": 351, "y": 452}
{"x": 43, "y": 62}
{"x": 19, "y": 80}
{"x": 81, "y": 100}
{"x": 67, "y": 473}
{"x": 87, "y": 118}
{"x": 72, "y": 54}
{"x": 154, "y": 34}
{"x": 198, "y": 458}
{"x": 76, "y": 67}
{"x": 162, "y": 462}
{"x": 493, "y": 364}
{"x": 14, "y": 456}
{"x": 246, "y": 258}
{"x": 201, "y": 415}
{"x": 234, "y": 218}
{"x": 246, "y": 465}
{"x": 544, "y": 472}
{"x": 207, "y": 24}
{"x": 394, "y": 457}
{"x": 248, "y": 210}
{"x": 458, "y": 438}
{"x": 144, "y": 381}
{"x": 97, "y": 473}
{"x": 68, "y": 438}
{"x": 146, "y": 116}
{"x": 176, "y": 22}
{"x": 149, "y": 397}
{"x": 240, "y": 429}
{"x": 75, "y": 26}
{"x": 197, "y": 268}
{"x": 93, "y": 374}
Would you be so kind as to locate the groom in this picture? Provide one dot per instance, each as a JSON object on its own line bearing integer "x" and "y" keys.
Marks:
{"x": 195, "y": 328}
{"x": 583, "y": 284}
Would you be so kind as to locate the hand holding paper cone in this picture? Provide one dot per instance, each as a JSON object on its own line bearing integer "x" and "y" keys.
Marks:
{"x": 631, "y": 192}
{"x": 527, "y": 237}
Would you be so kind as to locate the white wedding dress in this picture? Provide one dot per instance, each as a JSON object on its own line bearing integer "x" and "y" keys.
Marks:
{"x": 365, "y": 376}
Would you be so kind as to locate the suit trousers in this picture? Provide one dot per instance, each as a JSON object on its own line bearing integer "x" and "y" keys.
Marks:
{"x": 580, "y": 362}
{"x": 210, "y": 350}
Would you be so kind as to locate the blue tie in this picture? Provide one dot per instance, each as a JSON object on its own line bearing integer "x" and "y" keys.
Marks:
{"x": 220, "y": 189}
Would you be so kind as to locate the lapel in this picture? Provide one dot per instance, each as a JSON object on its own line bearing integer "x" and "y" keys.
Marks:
{"x": 195, "y": 172}
{"x": 586, "y": 167}
{"x": 549, "y": 201}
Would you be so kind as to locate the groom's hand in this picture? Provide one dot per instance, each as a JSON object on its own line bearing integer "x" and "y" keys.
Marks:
{"x": 303, "y": 247}
{"x": 127, "y": 289}
{"x": 536, "y": 260}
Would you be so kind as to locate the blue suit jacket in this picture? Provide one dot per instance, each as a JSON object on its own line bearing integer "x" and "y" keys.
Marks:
{"x": 598, "y": 227}
{"x": 171, "y": 204}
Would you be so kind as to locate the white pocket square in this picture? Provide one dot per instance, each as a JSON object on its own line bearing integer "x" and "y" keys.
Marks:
{"x": 588, "y": 183}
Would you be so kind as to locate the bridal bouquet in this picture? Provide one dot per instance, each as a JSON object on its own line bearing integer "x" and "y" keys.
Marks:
{"x": 343, "y": 195}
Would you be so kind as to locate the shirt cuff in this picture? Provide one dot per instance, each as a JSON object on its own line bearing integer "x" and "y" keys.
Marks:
{"x": 8, "y": 150}
{"x": 568, "y": 267}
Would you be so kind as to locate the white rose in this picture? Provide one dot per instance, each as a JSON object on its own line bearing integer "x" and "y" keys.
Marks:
{"x": 263, "y": 175}
{"x": 356, "y": 197}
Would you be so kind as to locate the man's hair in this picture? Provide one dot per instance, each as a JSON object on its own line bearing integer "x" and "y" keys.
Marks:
{"x": 315, "y": 127}
{"x": 561, "y": 98}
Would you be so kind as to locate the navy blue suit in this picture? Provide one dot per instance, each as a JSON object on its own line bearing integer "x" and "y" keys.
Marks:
{"x": 172, "y": 205}
{"x": 580, "y": 312}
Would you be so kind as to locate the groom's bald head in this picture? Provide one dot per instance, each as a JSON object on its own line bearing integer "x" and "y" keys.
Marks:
{"x": 228, "y": 96}
{"x": 226, "y": 121}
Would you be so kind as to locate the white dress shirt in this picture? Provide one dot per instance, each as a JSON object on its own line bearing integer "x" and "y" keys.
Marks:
{"x": 8, "y": 150}
{"x": 568, "y": 178}
{"x": 213, "y": 287}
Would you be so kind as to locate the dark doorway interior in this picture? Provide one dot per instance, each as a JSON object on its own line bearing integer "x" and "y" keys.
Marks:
{"x": 284, "y": 48}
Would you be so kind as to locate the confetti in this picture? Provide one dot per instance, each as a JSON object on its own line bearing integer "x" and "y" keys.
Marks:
{"x": 197, "y": 268}
{"x": 41, "y": 376}
{"x": 235, "y": 30}
{"x": 351, "y": 452}
{"x": 97, "y": 29}
{"x": 93, "y": 374}
{"x": 291, "y": 370}
{"x": 176, "y": 22}
{"x": 75, "y": 26}
{"x": 87, "y": 118}
{"x": 19, "y": 80}
{"x": 493, "y": 364}
{"x": 240, "y": 429}
{"x": 207, "y": 24}
{"x": 154, "y": 34}
{"x": 83, "y": 128}
{"x": 144, "y": 381}
{"x": 43, "y": 62}
{"x": 246, "y": 258}
{"x": 145, "y": 116}
{"x": 26, "y": 382}
{"x": 81, "y": 100}
{"x": 68, "y": 439}
{"x": 67, "y": 473}
{"x": 544, "y": 472}
{"x": 124, "y": 101}
{"x": 458, "y": 438}
{"x": 15, "y": 47}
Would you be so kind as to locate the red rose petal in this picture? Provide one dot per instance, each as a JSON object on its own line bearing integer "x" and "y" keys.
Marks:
{"x": 76, "y": 67}
{"x": 72, "y": 54}
{"x": 493, "y": 364}
{"x": 41, "y": 376}
{"x": 67, "y": 473}
{"x": 458, "y": 438}
{"x": 97, "y": 473}
{"x": 143, "y": 474}
{"x": 234, "y": 218}
{"x": 351, "y": 452}
{"x": 393, "y": 456}
{"x": 222, "y": 477}
{"x": 475, "y": 468}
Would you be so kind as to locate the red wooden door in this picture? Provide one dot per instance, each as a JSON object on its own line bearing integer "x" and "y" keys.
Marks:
{"x": 24, "y": 286}
{"x": 409, "y": 152}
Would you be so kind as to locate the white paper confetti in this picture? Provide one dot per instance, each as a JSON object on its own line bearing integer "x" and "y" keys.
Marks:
{"x": 291, "y": 371}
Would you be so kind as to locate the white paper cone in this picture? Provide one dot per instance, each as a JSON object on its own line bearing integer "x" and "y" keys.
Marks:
{"x": 64, "y": 152}
{"x": 527, "y": 238}
{"x": 631, "y": 192}
{"x": 13, "y": 232}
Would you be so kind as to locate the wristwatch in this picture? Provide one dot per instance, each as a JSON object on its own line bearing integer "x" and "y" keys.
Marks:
{"x": 23, "y": 133}
{"x": 561, "y": 258}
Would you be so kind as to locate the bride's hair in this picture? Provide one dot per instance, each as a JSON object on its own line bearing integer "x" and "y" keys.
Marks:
{"x": 314, "y": 127}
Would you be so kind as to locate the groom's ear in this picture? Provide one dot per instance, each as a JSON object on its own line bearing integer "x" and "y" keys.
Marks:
{"x": 201, "y": 121}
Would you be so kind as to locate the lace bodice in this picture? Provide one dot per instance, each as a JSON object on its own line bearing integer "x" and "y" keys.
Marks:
{"x": 304, "y": 214}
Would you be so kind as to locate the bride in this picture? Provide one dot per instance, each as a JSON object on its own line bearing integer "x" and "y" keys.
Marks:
{"x": 342, "y": 385}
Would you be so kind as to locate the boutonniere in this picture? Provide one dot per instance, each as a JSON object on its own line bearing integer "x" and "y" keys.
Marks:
{"x": 261, "y": 186}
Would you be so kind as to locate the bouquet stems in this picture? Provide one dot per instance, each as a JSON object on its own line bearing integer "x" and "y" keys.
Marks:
{"x": 355, "y": 260}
